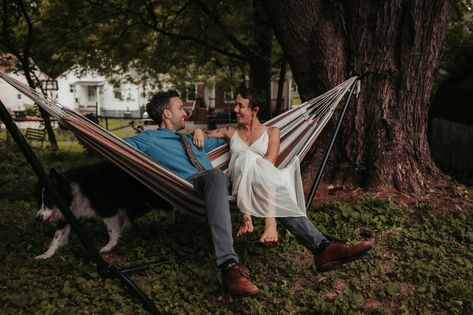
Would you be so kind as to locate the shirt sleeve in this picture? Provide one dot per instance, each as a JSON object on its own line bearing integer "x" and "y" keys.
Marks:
{"x": 212, "y": 143}
{"x": 139, "y": 141}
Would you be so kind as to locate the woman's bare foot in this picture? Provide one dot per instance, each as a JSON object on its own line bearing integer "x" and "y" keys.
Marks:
{"x": 247, "y": 225}
{"x": 270, "y": 233}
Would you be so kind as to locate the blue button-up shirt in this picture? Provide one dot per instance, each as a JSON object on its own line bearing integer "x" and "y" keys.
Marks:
{"x": 165, "y": 147}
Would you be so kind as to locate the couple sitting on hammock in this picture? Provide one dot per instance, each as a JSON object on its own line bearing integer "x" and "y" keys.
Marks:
{"x": 262, "y": 189}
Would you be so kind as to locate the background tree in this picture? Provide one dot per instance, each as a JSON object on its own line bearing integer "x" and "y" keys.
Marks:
{"x": 19, "y": 37}
{"x": 397, "y": 45}
{"x": 188, "y": 39}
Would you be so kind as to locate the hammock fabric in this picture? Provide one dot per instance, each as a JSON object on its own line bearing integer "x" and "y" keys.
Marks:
{"x": 300, "y": 127}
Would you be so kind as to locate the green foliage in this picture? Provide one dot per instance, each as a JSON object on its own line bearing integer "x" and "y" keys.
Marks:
{"x": 458, "y": 46}
{"x": 421, "y": 262}
{"x": 31, "y": 110}
{"x": 173, "y": 37}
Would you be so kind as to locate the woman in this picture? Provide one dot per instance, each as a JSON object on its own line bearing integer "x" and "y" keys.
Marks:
{"x": 262, "y": 189}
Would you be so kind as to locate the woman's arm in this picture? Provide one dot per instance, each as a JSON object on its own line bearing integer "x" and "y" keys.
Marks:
{"x": 199, "y": 135}
{"x": 273, "y": 145}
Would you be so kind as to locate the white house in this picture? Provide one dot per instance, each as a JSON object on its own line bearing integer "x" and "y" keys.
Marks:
{"x": 93, "y": 93}
{"x": 14, "y": 101}
{"x": 11, "y": 98}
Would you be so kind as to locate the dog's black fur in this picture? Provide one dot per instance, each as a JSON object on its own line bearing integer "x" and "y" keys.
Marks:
{"x": 96, "y": 190}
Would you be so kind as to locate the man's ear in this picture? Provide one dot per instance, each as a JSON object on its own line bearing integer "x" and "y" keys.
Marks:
{"x": 255, "y": 109}
{"x": 167, "y": 113}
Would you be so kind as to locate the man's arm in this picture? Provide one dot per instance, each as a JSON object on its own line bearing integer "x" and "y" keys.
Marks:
{"x": 139, "y": 141}
{"x": 212, "y": 143}
{"x": 200, "y": 137}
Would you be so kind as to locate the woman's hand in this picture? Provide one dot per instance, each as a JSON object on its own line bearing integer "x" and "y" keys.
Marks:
{"x": 198, "y": 138}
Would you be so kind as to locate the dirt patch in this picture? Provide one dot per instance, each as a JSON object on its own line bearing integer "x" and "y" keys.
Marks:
{"x": 444, "y": 199}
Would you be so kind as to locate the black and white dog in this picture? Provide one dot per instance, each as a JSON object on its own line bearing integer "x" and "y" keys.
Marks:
{"x": 97, "y": 190}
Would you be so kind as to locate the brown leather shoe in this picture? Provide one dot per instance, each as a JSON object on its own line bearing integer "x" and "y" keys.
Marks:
{"x": 236, "y": 283}
{"x": 339, "y": 253}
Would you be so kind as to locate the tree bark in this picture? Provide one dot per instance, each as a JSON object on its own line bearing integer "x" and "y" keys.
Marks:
{"x": 46, "y": 118}
{"x": 396, "y": 44}
{"x": 282, "y": 79}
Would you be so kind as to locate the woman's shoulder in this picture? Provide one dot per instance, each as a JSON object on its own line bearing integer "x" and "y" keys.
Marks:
{"x": 230, "y": 131}
{"x": 273, "y": 131}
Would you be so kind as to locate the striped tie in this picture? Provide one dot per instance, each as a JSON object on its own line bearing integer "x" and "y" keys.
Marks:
{"x": 190, "y": 153}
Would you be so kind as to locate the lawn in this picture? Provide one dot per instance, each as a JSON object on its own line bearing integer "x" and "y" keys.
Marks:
{"x": 421, "y": 262}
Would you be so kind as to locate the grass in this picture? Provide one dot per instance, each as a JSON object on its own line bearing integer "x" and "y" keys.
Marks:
{"x": 421, "y": 263}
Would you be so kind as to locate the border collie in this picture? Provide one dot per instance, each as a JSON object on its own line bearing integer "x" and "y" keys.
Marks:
{"x": 100, "y": 190}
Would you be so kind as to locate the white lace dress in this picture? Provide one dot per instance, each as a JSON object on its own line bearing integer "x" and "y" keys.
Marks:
{"x": 262, "y": 189}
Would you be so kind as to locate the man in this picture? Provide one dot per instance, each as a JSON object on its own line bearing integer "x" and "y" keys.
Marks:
{"x": 170, "y": 150}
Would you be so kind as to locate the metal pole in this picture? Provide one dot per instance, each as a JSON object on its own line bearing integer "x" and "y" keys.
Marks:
{"x": 318, "y": 178}
{"x": 104, "y": 268}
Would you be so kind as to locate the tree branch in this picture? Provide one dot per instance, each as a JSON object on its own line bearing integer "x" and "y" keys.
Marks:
{"x": 154, "y": 26}
{"x": 29, "y": 37}
{"x": 243, "y": 49}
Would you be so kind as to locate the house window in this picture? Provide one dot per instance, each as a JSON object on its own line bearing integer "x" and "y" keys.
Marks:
{"x": 91, "y": 92}
{"x": 228, "y": 95}
{"x": 294, "y": 87}
{"x": 18, "y": 96}
{"x": 189, "y": 93}
{"x": 117, "y": 94}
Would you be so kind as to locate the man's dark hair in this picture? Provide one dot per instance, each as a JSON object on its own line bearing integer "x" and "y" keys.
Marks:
{"x": 158, "y": 103}
{"x": 257, "y": 97}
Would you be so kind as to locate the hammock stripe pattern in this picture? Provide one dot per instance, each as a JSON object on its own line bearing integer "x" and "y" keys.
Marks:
{"x": 299, "y": 127}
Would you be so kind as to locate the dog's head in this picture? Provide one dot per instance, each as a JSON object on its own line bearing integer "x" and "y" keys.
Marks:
{"x": 48, "y": 210}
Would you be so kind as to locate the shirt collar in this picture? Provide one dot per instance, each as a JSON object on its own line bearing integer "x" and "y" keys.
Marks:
{"x": 166, "y": 130}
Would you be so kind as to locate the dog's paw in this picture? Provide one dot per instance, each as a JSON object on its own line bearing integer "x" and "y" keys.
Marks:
{"x": 45, "y": 255}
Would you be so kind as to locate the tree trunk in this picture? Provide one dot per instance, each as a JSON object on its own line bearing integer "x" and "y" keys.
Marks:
{"x": 260, "y": 78}
{"x": 396, "y": 44}
{"x": 44, "y": 114}
{"x": 282, "y": 79}
{"x": 260, "y": 65}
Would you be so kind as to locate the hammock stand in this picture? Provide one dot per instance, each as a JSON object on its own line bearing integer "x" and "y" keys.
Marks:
{"x": 105, "y": 269}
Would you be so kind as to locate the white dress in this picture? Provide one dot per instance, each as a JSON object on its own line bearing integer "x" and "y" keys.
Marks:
{"x": 262, "y": 189}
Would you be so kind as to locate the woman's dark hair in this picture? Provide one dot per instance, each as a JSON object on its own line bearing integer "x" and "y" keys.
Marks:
{"x": 158, "y": 103}
{"x": 257, "y": 97}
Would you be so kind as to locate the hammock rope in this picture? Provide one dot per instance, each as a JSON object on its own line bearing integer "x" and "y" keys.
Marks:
{"x": 300, "y": 128}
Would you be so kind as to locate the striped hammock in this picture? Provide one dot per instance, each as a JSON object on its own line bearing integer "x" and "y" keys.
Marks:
{"x": 299, "y": 127}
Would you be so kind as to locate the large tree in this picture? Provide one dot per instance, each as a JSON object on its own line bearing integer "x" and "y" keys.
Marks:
{"x": 396, "y": 45}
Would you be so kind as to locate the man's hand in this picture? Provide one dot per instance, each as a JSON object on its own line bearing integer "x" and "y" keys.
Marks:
{"x": 198, "y": 138}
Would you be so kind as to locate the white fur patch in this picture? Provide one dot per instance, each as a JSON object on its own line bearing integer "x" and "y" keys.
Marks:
{"x": 43, "y": 212}
{"x": 80, "y": 206}
{"x": 113, "y": 225}
{"x": 61, "y": 237}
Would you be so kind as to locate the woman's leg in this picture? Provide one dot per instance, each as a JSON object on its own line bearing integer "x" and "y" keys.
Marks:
{"x": 246, "y": 226}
